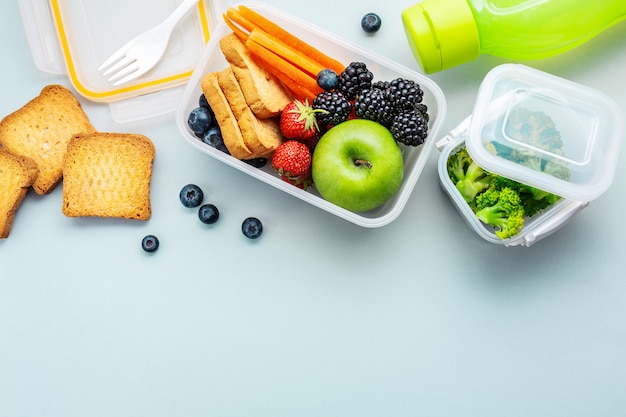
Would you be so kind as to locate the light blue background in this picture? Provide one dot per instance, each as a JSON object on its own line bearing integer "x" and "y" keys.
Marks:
{"x": 319, "y": 317}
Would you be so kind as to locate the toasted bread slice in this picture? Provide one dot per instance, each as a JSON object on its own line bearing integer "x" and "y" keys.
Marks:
{"x": 17, "y": 173}
{"x": 41, "y": 130}
{"x": 108, "y": 175}
{"x": 233, "y": 138}
{"x": 265, "y": 94}
{"x": 261, "y": 136}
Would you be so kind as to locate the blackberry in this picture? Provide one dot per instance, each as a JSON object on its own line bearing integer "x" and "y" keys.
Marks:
{"x": 404, "y": 93}
{"x": 422, "y": 108}
{"x": 372, "y": 104}
{"x": 409, "y": 127}
{"x": 354, "y": 78}
{"x": 380, "y": 85}
{"x": 336, "y": 107}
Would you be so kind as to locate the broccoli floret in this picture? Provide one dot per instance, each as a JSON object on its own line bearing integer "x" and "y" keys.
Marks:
{"x": 501, "y": 209}
{"x": 534, "y": 128}
{"x": 468, "y": 177}
{"x": 533, "y": 199}
{"x": 536, "y": 131}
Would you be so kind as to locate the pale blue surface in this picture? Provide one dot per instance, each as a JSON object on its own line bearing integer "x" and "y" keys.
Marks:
{"x": 319, "y": 317}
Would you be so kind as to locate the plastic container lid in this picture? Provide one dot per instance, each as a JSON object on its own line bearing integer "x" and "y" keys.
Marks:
{"x": 440, "y": 38}
{"x": 545, "y": 131}
{"x": 75, "y": 37}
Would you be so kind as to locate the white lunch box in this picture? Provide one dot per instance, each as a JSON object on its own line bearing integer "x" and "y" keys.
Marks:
{"x": 415, "y": 158}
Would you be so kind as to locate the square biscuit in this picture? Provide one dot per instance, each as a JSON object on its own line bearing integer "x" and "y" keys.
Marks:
{"x": 41, "y": 130}
{"x": 17, "y": 173}
{"x": 108, "y": 175}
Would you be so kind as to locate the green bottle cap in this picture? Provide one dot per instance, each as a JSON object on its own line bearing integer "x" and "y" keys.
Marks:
{"x": 441, "y": 33}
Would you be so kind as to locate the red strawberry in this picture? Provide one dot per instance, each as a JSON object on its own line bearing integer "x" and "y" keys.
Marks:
{"x": 298, "y": 121}
{"x": 292, "y": 160}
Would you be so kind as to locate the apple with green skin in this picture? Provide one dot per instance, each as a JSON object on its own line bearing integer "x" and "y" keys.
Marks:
{"x": 357, "y": 165}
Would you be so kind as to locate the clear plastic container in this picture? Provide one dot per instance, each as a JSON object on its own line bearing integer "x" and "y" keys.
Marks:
{"x": 74, "y": 37}
{"x": 588, "y": 122}
{"x": 383, "y": 69}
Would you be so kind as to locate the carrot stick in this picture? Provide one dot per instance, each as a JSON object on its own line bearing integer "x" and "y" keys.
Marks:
{"x": 290, "y": 39}
{"x": 278, "y": 65}
{"x": 235, "y": 16}
{"x": 296, "y": 57}
{"x": 241, "y": 34}
{"x": 297, "y": 90}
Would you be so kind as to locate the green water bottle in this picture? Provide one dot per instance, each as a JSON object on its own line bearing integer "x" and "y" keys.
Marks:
{"x": 446, "y": 33}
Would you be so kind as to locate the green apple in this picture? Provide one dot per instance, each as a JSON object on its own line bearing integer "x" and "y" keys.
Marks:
{"x": 357, "y": 165}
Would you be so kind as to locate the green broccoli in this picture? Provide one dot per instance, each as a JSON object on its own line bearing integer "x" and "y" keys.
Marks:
{"x": 539, "y": 137}
{"x": 498, "y": 201}
{"x": 501, "y": 209}
{"x": 468, "y": 177}
{"x": 534, "y": 128}
{"x": 533, "y": 199}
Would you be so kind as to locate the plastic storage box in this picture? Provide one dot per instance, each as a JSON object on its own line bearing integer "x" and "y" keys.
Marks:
{"x": 589, "y": 124}
{"x": 383, "y": 69}
{"x": 74, "y": 37}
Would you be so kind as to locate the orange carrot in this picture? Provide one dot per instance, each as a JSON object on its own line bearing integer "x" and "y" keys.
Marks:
{"x": 296, "y": 57}
{"x": 282, "y": 69}
{"x": 297, "y": 90}
{"x": 290, "y": 39}
{"x": 241, "y": 34}
{"x": 235, "y": 16}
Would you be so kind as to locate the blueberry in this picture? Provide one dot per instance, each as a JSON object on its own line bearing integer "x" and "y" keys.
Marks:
{"x": 371, "y": 22}
{"x": 150, "y": 243}
{"x": 213, "y": 136}
{"x": 208, "y": 213}
{"x": 202, "y": 101}
{"x": 252, "y": 228}
{"x": 256, "y": 162}
{"x": 327, "y": 79}
{"x": 199, "y": 120}
{"x": 191, "y": 196}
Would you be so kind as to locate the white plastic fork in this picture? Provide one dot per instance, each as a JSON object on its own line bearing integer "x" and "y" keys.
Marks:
{"x": 143, "y": 52}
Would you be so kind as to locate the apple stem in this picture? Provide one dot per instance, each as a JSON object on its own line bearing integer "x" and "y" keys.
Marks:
{"x": 358, "y": 162}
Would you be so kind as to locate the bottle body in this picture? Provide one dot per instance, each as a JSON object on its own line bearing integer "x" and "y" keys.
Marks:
{"x": 535, "y": 29}
{"x": 445, "y": 33}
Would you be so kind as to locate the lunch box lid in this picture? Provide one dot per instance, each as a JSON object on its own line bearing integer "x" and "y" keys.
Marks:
{"x": 546, "y": 131}
{"x": 74, "y": 37}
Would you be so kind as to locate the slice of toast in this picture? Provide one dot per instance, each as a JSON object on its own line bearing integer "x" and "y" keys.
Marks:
{"x": 261, "y": 136}
{"x": 233, "y": 138}
{"x": 108, "y": 175}
{"x": 17, "y": 173}
{"x": 41, "y": 130}
{"x": 265, "y": 94}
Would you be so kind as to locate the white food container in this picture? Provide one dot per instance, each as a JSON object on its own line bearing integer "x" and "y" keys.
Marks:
{"x": 591, "y": 128}
{"x": 74, "y": 37}
{"x": 415, "y": 158}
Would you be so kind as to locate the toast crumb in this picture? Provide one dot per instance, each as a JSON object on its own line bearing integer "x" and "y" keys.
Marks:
{"x": 108, "y": 175}
{"x": 17, "y": 173}
{"x": 41, "y": 130}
